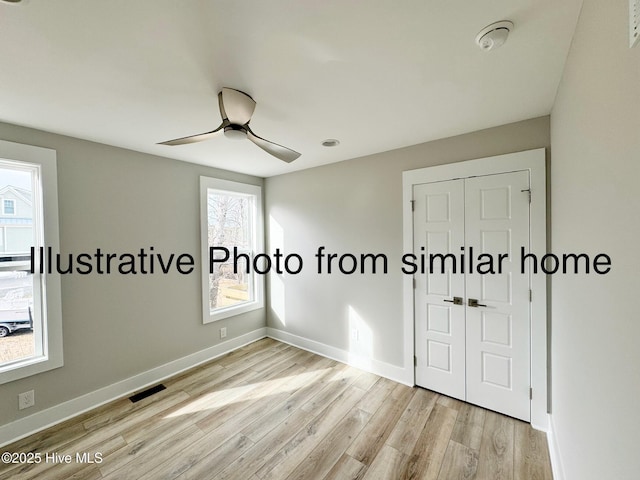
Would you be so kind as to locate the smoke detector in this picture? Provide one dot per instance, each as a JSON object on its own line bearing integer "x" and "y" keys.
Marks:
{"x": 494, "y": 35}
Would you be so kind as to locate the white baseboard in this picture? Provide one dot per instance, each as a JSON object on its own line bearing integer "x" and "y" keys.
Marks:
{"x": 554, "y": 452}
{"x": 392, "y": 372}
{"x": 23, "y": 427}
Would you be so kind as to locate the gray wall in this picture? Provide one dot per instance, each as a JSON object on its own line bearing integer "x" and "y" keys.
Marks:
{"x": 595, "y": 138}
{"x": 356, "y": 207}
{"x": 117, "y": 326}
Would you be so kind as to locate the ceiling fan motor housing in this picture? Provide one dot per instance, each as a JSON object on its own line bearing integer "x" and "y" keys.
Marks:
{"x": 235, "y": 132}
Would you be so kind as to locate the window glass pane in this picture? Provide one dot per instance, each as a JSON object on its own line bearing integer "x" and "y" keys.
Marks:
{"x": 228, "y": 289}
{"x": 17, "y": 340}
{"x": 229, "y": 218}
{"x": 9, "y": 207}
{"x": 16, "y": 302}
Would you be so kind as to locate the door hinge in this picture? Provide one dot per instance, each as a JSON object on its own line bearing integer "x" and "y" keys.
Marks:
{"x": 530, "y": 393}
{"x": 528, "y": 190}
{"x": 530, "y": 295}
{"x": 415, "y": 361}
{"x": 413, "y": 205}
{"x": 414, "y": 282}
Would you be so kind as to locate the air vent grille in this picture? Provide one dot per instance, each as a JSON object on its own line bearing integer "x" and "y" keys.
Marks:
{"x": 634, "y": 22}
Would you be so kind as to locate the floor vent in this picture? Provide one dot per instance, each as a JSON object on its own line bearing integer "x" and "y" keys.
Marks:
{"x": 147, "y": 393}
{"x": 634, "y": 22}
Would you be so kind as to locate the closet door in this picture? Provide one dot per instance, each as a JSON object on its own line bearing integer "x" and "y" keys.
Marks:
{"x": 472, "y": 330}
{"x": 438, "y": 227}
{"x": 497, "y": 330}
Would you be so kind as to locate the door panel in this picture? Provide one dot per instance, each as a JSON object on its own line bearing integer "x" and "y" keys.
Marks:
{"x": 497, "y": 335}
{"x": 477, "y": 354}
{"x": 439, "y": 325}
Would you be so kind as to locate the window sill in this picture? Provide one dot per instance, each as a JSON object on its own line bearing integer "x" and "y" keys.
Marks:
{"x": 221, "y": 314}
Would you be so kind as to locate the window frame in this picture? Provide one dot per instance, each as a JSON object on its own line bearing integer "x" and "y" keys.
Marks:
{"x": 257, "y": 216}
{"x": 44, "y": 161}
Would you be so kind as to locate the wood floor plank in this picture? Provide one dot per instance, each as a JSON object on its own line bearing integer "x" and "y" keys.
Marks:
{"x": 324, "y": 362}
{"x": 346, "y": 468}
{"x": 243, "y": 353}
{"x": 366, "y": 381}
{"x": 91, "y": 472}
{"x": 123, "y": 408}
{"x": 56, "y": 437}
{"x": 281, "y": 411}
{"x": 120, "y": 421}
{"x": 195, "y": 376}
{"x": 338, "y": 381}
{"x": 531, "y": 455}
{"x": 373, "y": 436}
{"x": 247, "y": 411}
{"x": 469, "y": 425}
{"x": 387, "y": 465}
{"x": 459, "y": 463}
{"x": 377, "y": 394}
{"x": 405, "y": 433}
{"x": 272, "y": 391}
{"x": 63, "y": 470}
{"x": 329, "y": 450}
{"x": 270, "y": 411}
{"x": 296, "y": 450}
{"x": 286, "y": 354}
{"x": 147, "y": 443}
{"x": 400, "y": 390}
{"x": 209, "y": 409}
{"x": 426, "y": 458}
{"x": 496, "y": 449}
{"x": 233, "y": 374}
{"x": 255, "y": 457}
{"x": 449, "y": 402}
{"x": 130, "y": 461}
{"x": 76, "y": 468}
{"x": 207, "y": 462}
{"x": 228, "y": 377}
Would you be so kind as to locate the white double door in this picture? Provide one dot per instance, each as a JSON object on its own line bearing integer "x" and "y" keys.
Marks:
{"x": 475, "y": 347}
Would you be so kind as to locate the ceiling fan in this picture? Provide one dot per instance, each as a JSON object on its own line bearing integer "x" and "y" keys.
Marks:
{"x": 236, "y": 108}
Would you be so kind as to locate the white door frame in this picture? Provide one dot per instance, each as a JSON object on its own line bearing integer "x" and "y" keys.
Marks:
{"x": 534, "y": 162}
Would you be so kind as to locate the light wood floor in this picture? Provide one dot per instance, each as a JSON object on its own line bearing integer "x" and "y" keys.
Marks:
{"x": 271, "y": 411}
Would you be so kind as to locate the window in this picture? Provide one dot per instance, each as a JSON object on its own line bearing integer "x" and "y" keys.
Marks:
{"x": 30, "y": 313}
{"x": 8, "y": 207}
{"x": 232, "y": 235}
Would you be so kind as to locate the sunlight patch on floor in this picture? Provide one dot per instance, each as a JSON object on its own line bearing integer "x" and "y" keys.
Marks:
{"x": 248, "y": 392}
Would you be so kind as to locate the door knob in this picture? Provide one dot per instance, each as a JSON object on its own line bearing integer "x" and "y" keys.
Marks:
{"x": 455, "y": 301}
{"x": 474, "y": 303}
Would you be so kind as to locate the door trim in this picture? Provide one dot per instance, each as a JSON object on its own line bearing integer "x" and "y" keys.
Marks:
{"x": 534, "y": 162}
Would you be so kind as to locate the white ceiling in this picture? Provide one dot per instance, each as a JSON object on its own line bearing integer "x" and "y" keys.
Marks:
{"x": 377, "y": 75}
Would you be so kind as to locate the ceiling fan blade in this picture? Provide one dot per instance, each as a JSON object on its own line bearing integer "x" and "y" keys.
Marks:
{"x": 236, "y": 106}
{"x": 194, "y": 138}
{"x": 283, "y": 153}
